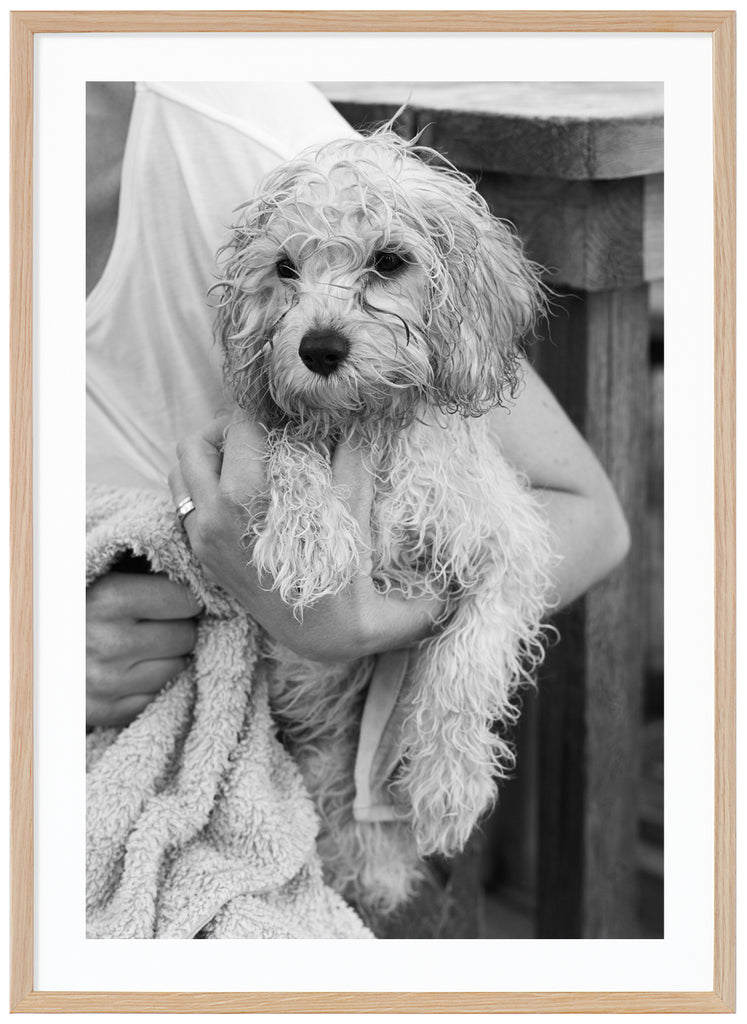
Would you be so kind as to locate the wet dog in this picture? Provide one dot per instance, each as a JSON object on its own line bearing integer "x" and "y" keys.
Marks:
{"x": 367, "y": 293}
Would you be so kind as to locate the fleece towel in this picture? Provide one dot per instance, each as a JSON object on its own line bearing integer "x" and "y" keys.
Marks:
{"x": 198, "y": 821}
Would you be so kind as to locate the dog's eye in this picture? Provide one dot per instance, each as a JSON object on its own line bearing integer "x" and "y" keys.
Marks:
{"x": 387, "y": 262}
{"x": 286, "y": 268}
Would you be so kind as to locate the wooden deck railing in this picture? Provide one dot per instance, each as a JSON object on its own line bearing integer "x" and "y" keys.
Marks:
{"x": 578, "y": 168}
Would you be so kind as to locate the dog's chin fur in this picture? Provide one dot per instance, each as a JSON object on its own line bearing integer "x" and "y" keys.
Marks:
{"x": 431, "y": 346}
{"x": 336, "y": 409}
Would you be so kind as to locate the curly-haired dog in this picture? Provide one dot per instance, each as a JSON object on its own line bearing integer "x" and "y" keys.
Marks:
{"x": 367, "y": 292}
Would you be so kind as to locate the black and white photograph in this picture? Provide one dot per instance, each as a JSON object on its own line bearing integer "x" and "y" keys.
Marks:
{"x": 375, "y": 524}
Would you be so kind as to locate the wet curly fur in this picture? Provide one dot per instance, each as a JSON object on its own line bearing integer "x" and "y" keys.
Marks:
{"x": 383, "y": 244}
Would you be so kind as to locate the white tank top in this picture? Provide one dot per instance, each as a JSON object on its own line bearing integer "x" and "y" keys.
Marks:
{"x": 194, "y": 152}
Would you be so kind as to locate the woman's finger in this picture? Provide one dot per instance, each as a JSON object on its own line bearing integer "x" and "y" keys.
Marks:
{"x": 199, "y": 468}
{"x": 180, "y": 492}
{"x": 168, "y": 639}
{"x": 351, "y": 468}
{"x": 227, "y": 455}
{"x": 127, "y": 709}
{"x": 243, "y": 472}
{"x": 214, "y": 431}
{"x": 151, "y": 676}
{"x": 119, "y": 596}
{"x": 177, "y": 486}
{"x": 114, "y": 714}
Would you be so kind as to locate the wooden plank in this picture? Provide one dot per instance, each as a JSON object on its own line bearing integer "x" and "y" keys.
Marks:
{"x": 562, "y": 782}
{"x": 575, "y": 131}
{"x": 655, "y": 524}
{"x": 725, "y": 294}
{"x": 627, "y": 147}
{"x": 374, "y": 21}
{"x": 653, "y": 227}
{"x": 21, "y": 515}
{"x": 590, "y": 703}
{"x": 372, "y": 1002}
{"x": 590, "y": 235}
{"x": 617, "y": 407}
{"x": 547, "y": 147}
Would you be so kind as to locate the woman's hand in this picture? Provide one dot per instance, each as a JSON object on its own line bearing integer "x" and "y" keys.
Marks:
{"x": 221, "y": 469}
{"x": 140, "y": 631}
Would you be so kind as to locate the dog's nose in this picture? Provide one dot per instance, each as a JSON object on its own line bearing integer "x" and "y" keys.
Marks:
{"x": 323, "y": 351}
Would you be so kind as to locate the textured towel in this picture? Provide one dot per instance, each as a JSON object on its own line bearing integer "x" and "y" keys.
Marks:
{"x": 198, "y": 821}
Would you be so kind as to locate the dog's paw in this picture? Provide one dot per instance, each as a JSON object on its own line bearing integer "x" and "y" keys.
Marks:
{"x": 305, "y": 568}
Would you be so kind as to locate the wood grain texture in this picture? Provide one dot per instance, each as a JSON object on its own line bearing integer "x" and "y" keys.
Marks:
{"x": 591, "y": 235}
{"x": 21, "y": 517}
{"x": 372, "y": 1002}
{"x": 617, "y": 401}
{"x": 653, "y": 227}
{"x": 373, "y": 21}
{"x": 558, "y": 103}
{"x": 23, "y": 27}
{"x": 596, "y": 363}
{"x": 725, "y": 255}
{"x": 541, "y": 129}
{"x": 562, "y": 781}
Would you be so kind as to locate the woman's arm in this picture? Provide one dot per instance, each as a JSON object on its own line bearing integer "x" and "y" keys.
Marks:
{"x": 591, "y": 537}
{"x": 589, "y": 529}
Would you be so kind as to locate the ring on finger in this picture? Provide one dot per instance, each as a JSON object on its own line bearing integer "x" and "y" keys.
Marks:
{"x": 184, "y": 508}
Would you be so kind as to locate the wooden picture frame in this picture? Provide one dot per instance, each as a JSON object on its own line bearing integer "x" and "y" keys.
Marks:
{"x": 24, "y": 26}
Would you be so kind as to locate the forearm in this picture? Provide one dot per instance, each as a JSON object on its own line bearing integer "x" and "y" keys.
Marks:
{"x": 589, "y": 536}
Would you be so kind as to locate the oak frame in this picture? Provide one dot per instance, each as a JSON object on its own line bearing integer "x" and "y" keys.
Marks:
{"x": 721, "y": 25}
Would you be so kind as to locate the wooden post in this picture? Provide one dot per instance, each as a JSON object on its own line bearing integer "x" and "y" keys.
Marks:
{"x": 596, "y": 362}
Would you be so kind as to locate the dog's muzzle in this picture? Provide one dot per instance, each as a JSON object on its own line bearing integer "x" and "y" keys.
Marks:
{"x": 323, "y": 351}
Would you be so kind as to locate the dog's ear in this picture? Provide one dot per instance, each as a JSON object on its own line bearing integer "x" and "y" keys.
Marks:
{"x": 243, "y": 299}
{"x": 493, "y": 299}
